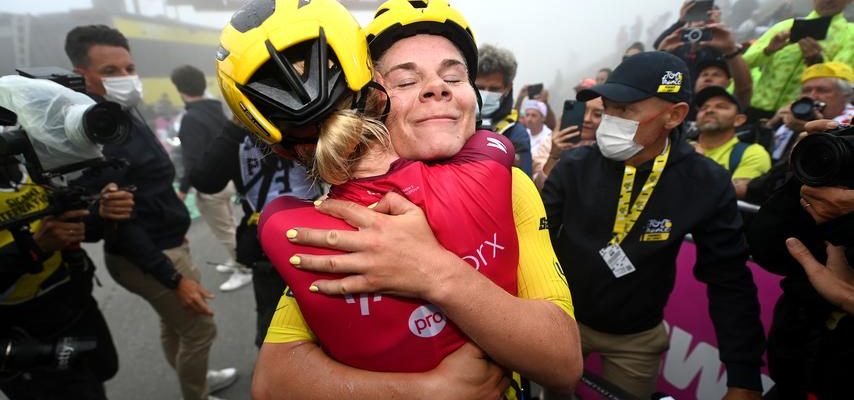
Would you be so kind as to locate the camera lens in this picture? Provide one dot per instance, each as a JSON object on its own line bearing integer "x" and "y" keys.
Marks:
{"x": 804, "y": 109}
{"x": 822, "y": 159}
{"x": 694, "y": 35}
{"x": 106, "y": 123}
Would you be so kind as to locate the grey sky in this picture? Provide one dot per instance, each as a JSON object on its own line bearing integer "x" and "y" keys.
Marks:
{"x": 573, "y": 36}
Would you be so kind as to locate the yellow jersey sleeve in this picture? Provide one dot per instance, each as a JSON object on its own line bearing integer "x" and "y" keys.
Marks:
{"x": 288, "y": 324}
{"x": 540, "y": 275}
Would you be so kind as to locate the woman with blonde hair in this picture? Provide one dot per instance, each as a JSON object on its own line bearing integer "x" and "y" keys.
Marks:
{"x": 301, "y": 79}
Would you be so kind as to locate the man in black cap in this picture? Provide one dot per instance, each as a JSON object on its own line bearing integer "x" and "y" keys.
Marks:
{"x": 643, "y": 189}
{"x": 719, "y": 114}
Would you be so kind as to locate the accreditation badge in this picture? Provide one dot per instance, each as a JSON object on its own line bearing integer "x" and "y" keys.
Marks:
{"x": 617, "y": 260}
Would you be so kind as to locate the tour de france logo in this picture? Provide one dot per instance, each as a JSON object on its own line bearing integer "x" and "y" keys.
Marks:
{"x": 657, "y": 230}
{"x": 671, "y": 82}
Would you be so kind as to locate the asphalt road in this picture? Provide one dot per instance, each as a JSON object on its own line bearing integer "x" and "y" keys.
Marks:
{"x": 143, "y": 371}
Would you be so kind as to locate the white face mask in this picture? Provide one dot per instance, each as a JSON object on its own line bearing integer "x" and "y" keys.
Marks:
{"x": 125, "y": 90}
{"x": 615, "y": 138}
{"x": 491, "y": 102}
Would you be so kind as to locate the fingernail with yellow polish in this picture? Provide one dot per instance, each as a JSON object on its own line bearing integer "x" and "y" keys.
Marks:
{"x": 373, "y": 205}
{"x": 291, "y": 233}
{"x": 317, "y": 203}
{"x": 295, "y": 260}
{"x": 313, "y": 289}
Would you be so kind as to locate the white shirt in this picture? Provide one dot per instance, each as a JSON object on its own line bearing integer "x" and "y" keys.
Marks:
{"x": 545, "y": 134}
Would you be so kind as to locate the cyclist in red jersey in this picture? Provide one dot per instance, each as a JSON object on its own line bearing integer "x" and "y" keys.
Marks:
{"x": 466, "y": 199}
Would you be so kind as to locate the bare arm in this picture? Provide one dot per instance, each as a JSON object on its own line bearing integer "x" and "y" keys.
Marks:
{"x": 301, "y": 370}
{"x": 741, "y": 78}
{"x": 388, "y": 255}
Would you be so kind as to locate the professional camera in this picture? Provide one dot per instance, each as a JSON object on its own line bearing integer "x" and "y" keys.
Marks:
{"x": 61, "y": 133}
{"x": 826, "y": 158}
{"x": 805, "y": 109}
{"x": 696, "y": 35}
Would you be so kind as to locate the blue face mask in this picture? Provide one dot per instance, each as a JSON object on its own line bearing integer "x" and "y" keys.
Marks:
{"x": 491, "y": 102}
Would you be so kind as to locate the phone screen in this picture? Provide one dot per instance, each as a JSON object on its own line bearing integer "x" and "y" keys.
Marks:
{"x": 699, "y": 11}
{"x": 573, "y": 115}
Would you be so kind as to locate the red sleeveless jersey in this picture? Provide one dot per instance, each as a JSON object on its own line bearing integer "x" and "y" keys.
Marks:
{"x": 467, "y": 201}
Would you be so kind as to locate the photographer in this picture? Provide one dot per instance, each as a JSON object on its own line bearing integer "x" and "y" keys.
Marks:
{"x": 782, "y": 62}
{"x": 826, "y": 93}
{"x": 700, "y": 41}
{"x": 810, "y": 345}
{"x": 149, "y": 254}
{"x": 53, "y": 340}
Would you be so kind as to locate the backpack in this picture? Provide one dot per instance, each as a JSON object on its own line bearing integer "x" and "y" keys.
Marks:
{"x": 735, "y": 156}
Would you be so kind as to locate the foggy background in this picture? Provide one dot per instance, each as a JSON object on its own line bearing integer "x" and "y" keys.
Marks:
{"x": 556, "y": 42}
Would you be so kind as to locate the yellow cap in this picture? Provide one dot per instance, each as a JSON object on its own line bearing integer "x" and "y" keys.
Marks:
{"x": 831, "y": 69}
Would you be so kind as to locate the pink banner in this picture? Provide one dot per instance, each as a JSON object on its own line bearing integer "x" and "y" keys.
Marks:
{"x": 691, "y": 368}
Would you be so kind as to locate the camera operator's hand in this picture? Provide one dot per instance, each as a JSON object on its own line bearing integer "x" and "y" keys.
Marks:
{"x": 811, "y": 51}
{"x": 194, "y": 296}
{"x": 780, "y": 40}
{"x": 722, "y": 39}
{"x": 57, "y": 233}
{"x": 116, "y": 205}
{"x": 672, "y": 42}
{"x": 792, "y": 122}
{"x": 779, "y": 117}
{"x": 819, "y": 125}
{"x": 827, "y": 203}
{"x": 834, "y": 282}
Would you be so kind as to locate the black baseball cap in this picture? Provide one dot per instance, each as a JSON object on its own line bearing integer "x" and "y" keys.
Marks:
{"x": 714, "y": 91}
{"x": 713, "y": 61}
{"x": 645, "y": 75}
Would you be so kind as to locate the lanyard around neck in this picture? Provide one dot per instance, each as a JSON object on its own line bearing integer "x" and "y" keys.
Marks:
{"x": 627, "y": 213}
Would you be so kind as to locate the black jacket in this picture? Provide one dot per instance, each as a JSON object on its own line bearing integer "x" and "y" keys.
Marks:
{"x": 159, "y": 220}
{"x": 694, "y": 196}
{"x": 221, "y": 164}
{"x": 202, "y": 122}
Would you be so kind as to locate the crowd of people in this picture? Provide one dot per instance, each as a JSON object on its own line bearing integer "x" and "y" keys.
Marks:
{"x": 488, "y": 240}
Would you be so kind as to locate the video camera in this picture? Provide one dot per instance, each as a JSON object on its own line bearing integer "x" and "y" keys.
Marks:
{"x": 826, "y": 158}
{"x": 61, "y": 133}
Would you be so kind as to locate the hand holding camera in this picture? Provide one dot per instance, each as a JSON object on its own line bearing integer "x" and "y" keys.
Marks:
{"x": 719, "y": 37}
{"x": 116, "y": 204}
{"x": 57, "y": 233}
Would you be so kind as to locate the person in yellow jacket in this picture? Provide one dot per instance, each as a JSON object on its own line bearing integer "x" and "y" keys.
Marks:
{"x": 782, "y": 62}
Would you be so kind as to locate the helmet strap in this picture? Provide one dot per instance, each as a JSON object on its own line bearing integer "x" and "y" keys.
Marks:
{"x": 360, "y": 102}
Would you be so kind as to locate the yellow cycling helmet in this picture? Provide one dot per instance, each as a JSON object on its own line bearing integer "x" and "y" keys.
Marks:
{"x": 398, "y": 19}
{"x": 258, "y": 79}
